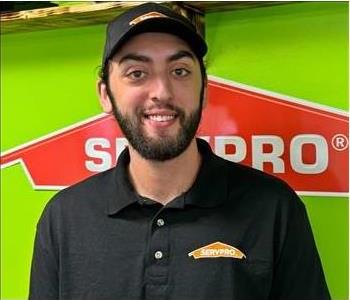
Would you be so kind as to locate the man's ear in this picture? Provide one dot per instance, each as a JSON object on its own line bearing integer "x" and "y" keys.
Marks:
{"x": 105, "y": 101}
{"x": 205, "y": 94}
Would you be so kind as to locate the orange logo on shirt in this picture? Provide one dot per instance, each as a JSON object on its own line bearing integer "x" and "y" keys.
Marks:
{"x": 217, "y": 249}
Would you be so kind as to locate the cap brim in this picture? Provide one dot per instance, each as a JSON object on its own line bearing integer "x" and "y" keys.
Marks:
{"x": 166, "y": 25}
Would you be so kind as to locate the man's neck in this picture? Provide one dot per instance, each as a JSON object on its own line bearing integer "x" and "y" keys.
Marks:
{"x": 164, "y": 181}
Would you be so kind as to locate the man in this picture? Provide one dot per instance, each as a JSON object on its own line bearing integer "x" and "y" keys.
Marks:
{"x": 171, "y": 220}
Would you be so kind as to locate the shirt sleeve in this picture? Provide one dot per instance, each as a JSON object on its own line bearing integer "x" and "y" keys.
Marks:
{"x": 298, "y": 273}
{"x": 44, "y": 270}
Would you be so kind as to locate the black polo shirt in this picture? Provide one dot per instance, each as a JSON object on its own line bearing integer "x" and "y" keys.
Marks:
{"x": 237, "y": 233}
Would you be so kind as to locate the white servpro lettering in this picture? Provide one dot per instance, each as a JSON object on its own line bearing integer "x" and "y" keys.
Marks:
{"x": 321, "y": 154}
{"x": 274, "y": 156}
{"x": 259, "y": 157}
{"x": 237, "y": 141}
{"x": 102, "y": 159}
{"x": 99, "y": 151}
{"x": 120, "y": 144}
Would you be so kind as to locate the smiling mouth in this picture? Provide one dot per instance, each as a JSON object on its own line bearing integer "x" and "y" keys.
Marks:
{"x": 160, "y": 117}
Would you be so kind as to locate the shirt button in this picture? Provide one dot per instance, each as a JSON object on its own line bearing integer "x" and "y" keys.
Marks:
{"x": 160, "y": 222}
{"x": 158, "y": 254}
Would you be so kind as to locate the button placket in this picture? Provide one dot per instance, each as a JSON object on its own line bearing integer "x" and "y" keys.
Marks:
{"x": 159, "y": 254}
{"x": 158, "y": 267}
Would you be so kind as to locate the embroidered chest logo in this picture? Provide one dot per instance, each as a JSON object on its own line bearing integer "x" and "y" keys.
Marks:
{"x": 217, "y": 249}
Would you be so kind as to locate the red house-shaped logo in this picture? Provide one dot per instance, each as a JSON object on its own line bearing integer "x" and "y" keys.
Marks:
{"x": 301, "y": 142}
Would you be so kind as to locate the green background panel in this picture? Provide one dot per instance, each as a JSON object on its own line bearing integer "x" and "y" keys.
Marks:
{"x": 300, "y": 50}
{"x": 329, "y": 219}
{"x": 21, "y": 207}
{"x": 48, "y": 82}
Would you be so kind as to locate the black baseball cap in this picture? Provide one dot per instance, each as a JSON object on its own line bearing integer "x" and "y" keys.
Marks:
{"x": 151, "y": 17}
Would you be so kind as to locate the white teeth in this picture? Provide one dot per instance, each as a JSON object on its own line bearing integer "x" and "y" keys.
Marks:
{"x": 161, "y": 118}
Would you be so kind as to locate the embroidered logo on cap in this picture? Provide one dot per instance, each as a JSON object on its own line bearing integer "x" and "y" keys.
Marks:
{"x": 217, "y": 249}
{"x": 144, "y": 17}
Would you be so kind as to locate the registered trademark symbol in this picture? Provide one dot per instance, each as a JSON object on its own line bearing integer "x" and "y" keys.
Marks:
{"x": 340, "y": 142}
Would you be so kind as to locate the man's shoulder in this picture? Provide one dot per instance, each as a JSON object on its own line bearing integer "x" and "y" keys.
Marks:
{"x": 88, "y": 192}
{"x": 251, "y": 183}
{"x": 90, "y": 186}
{"x": 243, "y": 172}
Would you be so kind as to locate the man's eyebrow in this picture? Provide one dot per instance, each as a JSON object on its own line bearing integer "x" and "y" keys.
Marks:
{"x": 142, "y": 58}
{"x": 133, "y": 56}
{"x": 181, "y": 54}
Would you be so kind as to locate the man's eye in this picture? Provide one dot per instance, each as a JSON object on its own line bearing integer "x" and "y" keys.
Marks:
{"x": 134, "y": 75}
{"x": 180, "y": 72}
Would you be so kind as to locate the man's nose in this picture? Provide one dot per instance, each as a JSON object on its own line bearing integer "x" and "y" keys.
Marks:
{"x": 161, "y": 89}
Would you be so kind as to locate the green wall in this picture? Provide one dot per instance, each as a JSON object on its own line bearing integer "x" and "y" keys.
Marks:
{"x": 299, "y": 50}
{"x": 48, "y": 82}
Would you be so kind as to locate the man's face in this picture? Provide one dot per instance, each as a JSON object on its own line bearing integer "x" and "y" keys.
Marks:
{"x": 155, "y": 87}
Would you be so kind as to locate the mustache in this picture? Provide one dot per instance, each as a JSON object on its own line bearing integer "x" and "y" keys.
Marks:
{"x": 166, "y": 106}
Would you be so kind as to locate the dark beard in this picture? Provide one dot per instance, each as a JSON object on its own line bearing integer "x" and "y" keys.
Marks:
{"x": 162, "y": 148}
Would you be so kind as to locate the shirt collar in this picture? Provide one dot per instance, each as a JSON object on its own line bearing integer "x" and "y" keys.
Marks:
{"x": 124, "y": 193}
{"x": 209, "y": 189}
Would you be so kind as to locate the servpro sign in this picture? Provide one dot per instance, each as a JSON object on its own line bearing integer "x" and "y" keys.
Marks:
{"x": 303, "y": 143}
